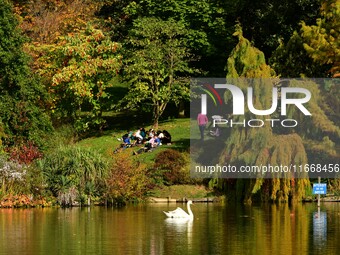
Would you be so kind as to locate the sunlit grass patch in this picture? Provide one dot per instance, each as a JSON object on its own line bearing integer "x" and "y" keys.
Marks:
{"x": 183, "y": 191}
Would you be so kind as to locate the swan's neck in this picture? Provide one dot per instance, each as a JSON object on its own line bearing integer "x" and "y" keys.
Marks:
{"x": 191, "y": 215}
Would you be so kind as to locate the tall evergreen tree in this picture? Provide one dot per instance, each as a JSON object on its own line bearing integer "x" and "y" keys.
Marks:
{"x": 260, "y": 146}
{"x": 21, "y": 95}
{"x": 312, "y": 141}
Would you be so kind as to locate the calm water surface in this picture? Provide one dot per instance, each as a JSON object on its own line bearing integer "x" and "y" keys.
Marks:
{"x": 143, "y": 229}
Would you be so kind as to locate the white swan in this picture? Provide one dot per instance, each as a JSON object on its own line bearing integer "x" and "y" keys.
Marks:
{"x": 180, "y": 213}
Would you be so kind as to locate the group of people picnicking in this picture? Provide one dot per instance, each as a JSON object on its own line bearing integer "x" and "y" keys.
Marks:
{"x": 145, "y": 140}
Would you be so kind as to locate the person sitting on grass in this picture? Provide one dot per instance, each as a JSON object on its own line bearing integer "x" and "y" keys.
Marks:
{"x": 160, "y": 135}
{"x": 156, "y": 142}
{"x": 149, "y": 145}
{"x": 125, "y": 144}
{"x": 143, "y": 133}
{"x": 166, "y": 139}
{"x": 151, "y": 134}
{"x": 153, "y": 143}
{"x": 137, "y": 137}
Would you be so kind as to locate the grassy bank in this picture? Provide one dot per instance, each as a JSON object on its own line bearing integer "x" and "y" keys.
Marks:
{"x": 180, "y": 132}
{"x": 107, "y": 142}
{"x": 89, "y": 172}
{"x": 183, "y": 191}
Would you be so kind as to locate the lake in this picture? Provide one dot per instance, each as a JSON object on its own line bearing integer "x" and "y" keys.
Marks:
{"x": 144, "y": 229}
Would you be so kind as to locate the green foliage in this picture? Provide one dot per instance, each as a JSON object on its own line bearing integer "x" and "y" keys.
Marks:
{"x": 334, "y": 186}
{"x": 291, "y": 60}
{"x": 22, "y": 96}
{"x": 249, "y": 146}
{"x": 70, "y": 170}
{"x": 62, "y": 135}
{"x": 79, "y": 70}
{"x": 160, "y": 38}
{"x": 322, "y": 152}
{"x": 156, "y": 65}
{"x": 2, "y": 136}
{"x": 246, "y": 60}
{"x": 36, "y": 183}
{"x": 268, "y": 22}
{"x": 320, "y": 125}
{"x": 208, "y": 24}
{"x": 268, "y": 146}
{"x": 322, "y": 40}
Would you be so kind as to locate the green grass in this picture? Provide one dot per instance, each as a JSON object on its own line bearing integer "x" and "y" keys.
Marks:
{"x": 183, "y": 191}
{"x": 108, "y": 141}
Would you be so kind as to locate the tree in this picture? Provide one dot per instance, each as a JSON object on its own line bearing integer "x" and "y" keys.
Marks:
{"x": 249, "y": 146}
{"x": 22, "y": 96}
{"x": 79, "y": 70}
{"x": 156, "y": 65}
{"x": 267, "y": 22}
{"x": 126, "y": 180}
{"x": 247, "y": 61}
{"x": 312, "y": 141}
{"x": 290, "y": 60}
{"x": 43, "y": 21}
{"x": 208, "y": 23}
{"x": 322, "y": 40}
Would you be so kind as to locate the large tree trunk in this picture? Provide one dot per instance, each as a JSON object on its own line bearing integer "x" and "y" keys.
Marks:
{"x": 158, "y": 110}
{"x": 156, "y": 115}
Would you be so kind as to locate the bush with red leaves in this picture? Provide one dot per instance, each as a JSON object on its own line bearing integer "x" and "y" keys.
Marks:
{"x": 25, "y": 153}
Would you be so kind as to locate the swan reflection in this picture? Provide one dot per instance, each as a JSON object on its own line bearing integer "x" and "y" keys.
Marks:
{"x": 180, "y": 227}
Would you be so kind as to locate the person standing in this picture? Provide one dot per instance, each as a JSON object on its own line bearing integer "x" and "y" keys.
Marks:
{"x": 202, "y": 121}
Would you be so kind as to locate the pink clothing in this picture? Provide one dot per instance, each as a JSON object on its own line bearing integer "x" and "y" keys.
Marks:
{"x": 202, "y": 119}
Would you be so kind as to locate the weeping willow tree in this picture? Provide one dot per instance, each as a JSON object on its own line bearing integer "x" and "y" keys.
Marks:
{"x": 266, "y": 145}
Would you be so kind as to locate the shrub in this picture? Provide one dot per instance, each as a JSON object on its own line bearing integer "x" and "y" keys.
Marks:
{"x": 173, "y": 166}
{"x": 25, "y": 153}
{"x": 127, "y": 180}
{"x": 62, "y": 136}
{"x": 12, "y": 177}
{"x": 69, "y": 169}
{"x": 36, "y": 183}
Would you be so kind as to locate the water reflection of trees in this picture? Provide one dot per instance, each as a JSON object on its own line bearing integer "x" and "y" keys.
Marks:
{"x": 274, "y": 229}
{"x": 216, "y": 229}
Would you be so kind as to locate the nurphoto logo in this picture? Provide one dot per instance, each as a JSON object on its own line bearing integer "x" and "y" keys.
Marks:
{"x": 262, "y": 128}
{"x": 238, "y": 106}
